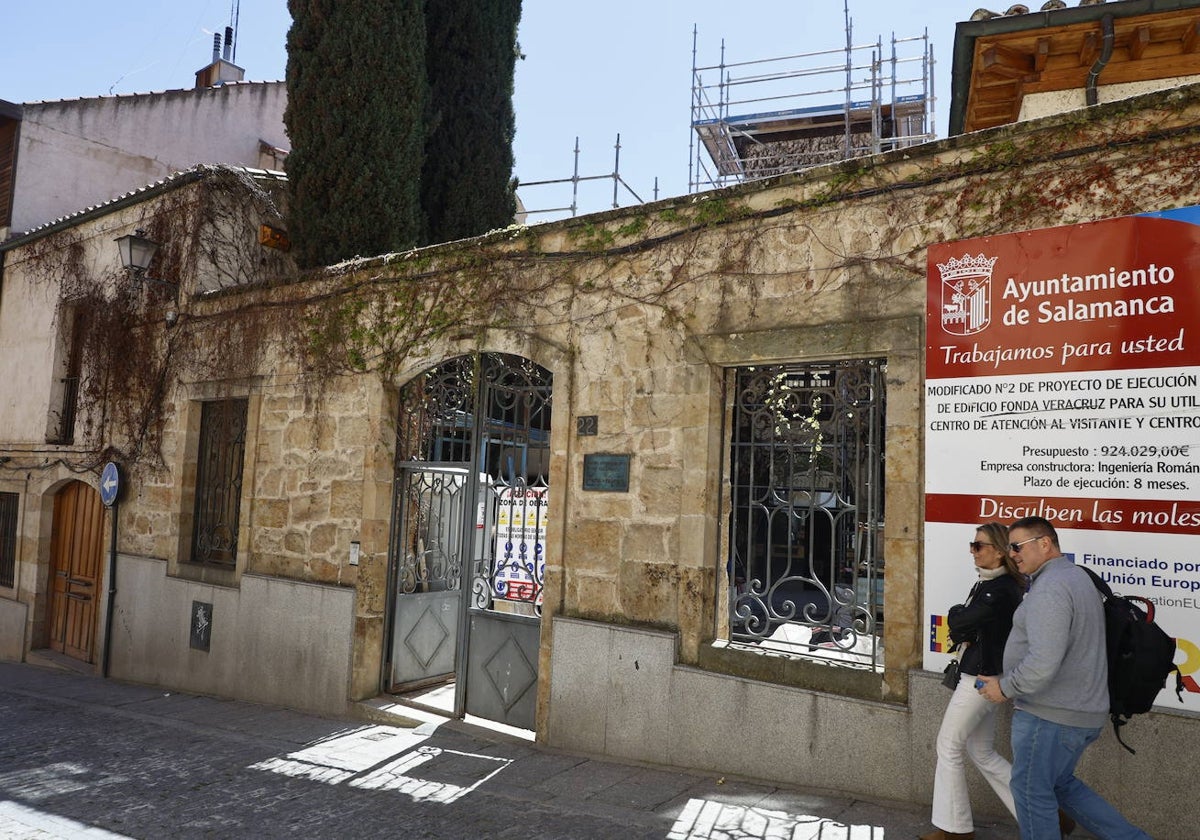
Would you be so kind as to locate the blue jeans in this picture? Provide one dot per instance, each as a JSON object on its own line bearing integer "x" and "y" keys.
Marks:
{"x": 1043, "y": 780}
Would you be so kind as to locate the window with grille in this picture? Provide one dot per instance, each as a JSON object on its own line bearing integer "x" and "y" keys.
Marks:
{"x": 9, "y": 503}
{"x": 65, "y": 389}
{"x": 805, "y": 476}
{"x": 219, "y": 482}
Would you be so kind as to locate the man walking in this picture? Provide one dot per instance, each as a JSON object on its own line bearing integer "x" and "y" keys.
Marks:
{"x": 1056, "y": 674}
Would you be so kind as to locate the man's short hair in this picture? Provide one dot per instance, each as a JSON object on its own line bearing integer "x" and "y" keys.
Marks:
{"x": 1040, "y": 527}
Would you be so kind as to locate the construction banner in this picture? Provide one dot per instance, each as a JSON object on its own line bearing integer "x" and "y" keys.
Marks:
{"x": 1063, "y": 381}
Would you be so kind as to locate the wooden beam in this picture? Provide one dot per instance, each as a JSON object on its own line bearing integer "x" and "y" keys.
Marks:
{"x": 1118, "y": 71}
{"x": 1138, "y": 42}
{"x": 1191, "y": 36}
{"x": 1006, "y": 61}
{"x": 995, "y": 109}
{"x": 1040, "y": 56}
{"x": 996, "y": 93}
{"x": 1089, "y": 49}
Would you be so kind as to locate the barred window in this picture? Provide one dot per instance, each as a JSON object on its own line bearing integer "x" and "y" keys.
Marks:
{"x": 9, "y": 503}
{"x": 219, "y": 482}
{"x": 64, "y": 397}
{"x": 806, "y": 516}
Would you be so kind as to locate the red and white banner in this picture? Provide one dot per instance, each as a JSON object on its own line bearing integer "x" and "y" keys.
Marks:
{"x": 1063, "y": 381}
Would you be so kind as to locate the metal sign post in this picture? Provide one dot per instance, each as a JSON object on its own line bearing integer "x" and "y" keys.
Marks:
{"x": 110, "y": 488}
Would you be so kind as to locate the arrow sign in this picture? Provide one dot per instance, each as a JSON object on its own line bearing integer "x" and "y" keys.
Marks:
{"x": 110, "y": 483}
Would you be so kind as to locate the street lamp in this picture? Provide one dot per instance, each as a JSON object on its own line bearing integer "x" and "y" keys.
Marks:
{"x": 136, "y": 251}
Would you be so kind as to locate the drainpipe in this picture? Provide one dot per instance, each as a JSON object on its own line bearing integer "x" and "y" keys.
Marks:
{"x": 1106, "y": 26}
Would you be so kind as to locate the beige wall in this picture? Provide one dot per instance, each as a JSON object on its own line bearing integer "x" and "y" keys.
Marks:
{"x": 1036, "y": 105}
{"x": 77, "y": 153}
{"x": 273, "y": 641}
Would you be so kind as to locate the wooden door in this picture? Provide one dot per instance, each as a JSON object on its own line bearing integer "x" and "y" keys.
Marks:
{"x": 76, "y": 552}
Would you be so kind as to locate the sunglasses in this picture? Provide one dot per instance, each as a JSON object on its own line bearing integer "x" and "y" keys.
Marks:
{"x": 976, "y": 545}
{"x": 1015, "y": 548}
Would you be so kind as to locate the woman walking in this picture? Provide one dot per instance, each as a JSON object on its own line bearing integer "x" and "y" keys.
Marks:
{"x": 979, "y": 627}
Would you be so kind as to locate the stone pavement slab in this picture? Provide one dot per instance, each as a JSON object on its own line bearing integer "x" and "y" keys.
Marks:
{"x": 101, "y": 760}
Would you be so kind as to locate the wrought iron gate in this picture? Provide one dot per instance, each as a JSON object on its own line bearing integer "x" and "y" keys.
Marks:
{"x": 468, "y": 534}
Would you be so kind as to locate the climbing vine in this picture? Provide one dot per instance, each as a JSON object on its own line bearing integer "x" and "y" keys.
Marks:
{"x": 811, "y": 246}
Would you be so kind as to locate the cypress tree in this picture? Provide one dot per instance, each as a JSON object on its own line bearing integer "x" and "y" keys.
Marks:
{"x": 357, "y": 98}
{"x": 471, "y": 51}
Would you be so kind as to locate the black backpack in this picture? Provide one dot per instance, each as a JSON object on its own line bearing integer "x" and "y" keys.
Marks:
{"x": 1140, "y": 656}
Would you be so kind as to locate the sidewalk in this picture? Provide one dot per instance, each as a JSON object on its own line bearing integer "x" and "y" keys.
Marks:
{"x": 85, "y": 757}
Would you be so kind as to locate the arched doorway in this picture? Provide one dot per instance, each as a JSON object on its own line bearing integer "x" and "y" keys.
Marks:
{"x": 467, "y": 560}
{"x": 76, "y": 554}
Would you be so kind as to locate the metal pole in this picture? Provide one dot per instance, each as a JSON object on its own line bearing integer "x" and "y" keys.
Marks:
{"x": 616, "y": 171}
{"x": 930, "y": 92}
{"x": 849, "y": 75}
{"x": 877, "y": 97}
{"x": 112, "y": 592}
{"x": 575, "y": 179}
{"x": 692, "y": 151}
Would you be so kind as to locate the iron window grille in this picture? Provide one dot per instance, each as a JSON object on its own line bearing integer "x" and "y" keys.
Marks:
{"x": 805, "y": 565}
{"x": 9, "y": 503}
{"x": 219, "y": 482}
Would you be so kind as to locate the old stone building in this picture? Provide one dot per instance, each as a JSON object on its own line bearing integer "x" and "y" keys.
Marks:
{"x": 647, "y": 482}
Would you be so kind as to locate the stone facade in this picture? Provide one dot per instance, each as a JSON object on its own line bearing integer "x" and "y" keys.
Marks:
{"x": 639, "y": 314}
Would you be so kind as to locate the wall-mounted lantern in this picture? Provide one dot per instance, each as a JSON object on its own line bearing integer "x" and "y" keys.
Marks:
{"x": 136, "y": 251}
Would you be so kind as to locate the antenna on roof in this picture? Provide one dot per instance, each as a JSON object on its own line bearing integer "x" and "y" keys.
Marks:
{"x": 235, "y": 12}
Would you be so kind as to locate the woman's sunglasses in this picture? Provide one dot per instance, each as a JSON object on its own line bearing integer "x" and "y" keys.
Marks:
{"x": 976, "y": 545}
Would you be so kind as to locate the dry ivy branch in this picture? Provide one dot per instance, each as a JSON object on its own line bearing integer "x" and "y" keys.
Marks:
{"x": 701, "y": 264}
{"x": 131, "y": 361}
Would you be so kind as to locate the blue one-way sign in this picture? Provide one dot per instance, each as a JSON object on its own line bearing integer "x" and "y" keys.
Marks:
{"x": 110, "y": 483}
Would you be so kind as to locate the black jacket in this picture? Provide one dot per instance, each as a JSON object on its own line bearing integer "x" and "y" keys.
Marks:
{"x": 985, "y": 623}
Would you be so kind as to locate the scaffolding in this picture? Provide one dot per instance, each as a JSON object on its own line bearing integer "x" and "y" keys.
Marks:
{"x": 575, "y": 180}
{"x": 757, "y": 119}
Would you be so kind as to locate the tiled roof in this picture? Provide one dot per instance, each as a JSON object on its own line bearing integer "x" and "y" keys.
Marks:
{"x": 170, "y": 92}
{"x": 172, "y": 181}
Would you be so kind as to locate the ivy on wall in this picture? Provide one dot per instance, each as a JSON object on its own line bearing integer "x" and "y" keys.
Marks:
{"x": 859, "y": 228}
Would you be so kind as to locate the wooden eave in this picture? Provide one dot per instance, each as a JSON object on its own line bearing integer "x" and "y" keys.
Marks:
{"x": 1008, "y": 66}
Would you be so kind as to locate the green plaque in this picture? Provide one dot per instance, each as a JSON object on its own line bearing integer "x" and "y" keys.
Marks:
{"x": 606, "y": 471}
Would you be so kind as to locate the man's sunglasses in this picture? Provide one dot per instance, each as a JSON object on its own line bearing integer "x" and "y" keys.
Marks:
{"x": 1015, "y": 548}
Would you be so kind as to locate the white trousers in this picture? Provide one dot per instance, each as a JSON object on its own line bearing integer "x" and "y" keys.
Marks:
{"x": 968, "y": 729}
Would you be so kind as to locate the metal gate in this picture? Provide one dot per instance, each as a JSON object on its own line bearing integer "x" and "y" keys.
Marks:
{"x": 467, "y": 560}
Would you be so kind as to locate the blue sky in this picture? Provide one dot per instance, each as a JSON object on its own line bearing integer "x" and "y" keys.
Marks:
{"x": 592, "y": 70}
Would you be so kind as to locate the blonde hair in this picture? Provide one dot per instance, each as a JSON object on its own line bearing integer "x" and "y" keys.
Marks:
{"x": 997, "y": 534}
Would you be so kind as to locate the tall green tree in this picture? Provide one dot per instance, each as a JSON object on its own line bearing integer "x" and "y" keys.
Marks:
{"x": 471, "y": 52}
{"x": 357, "y": 101}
